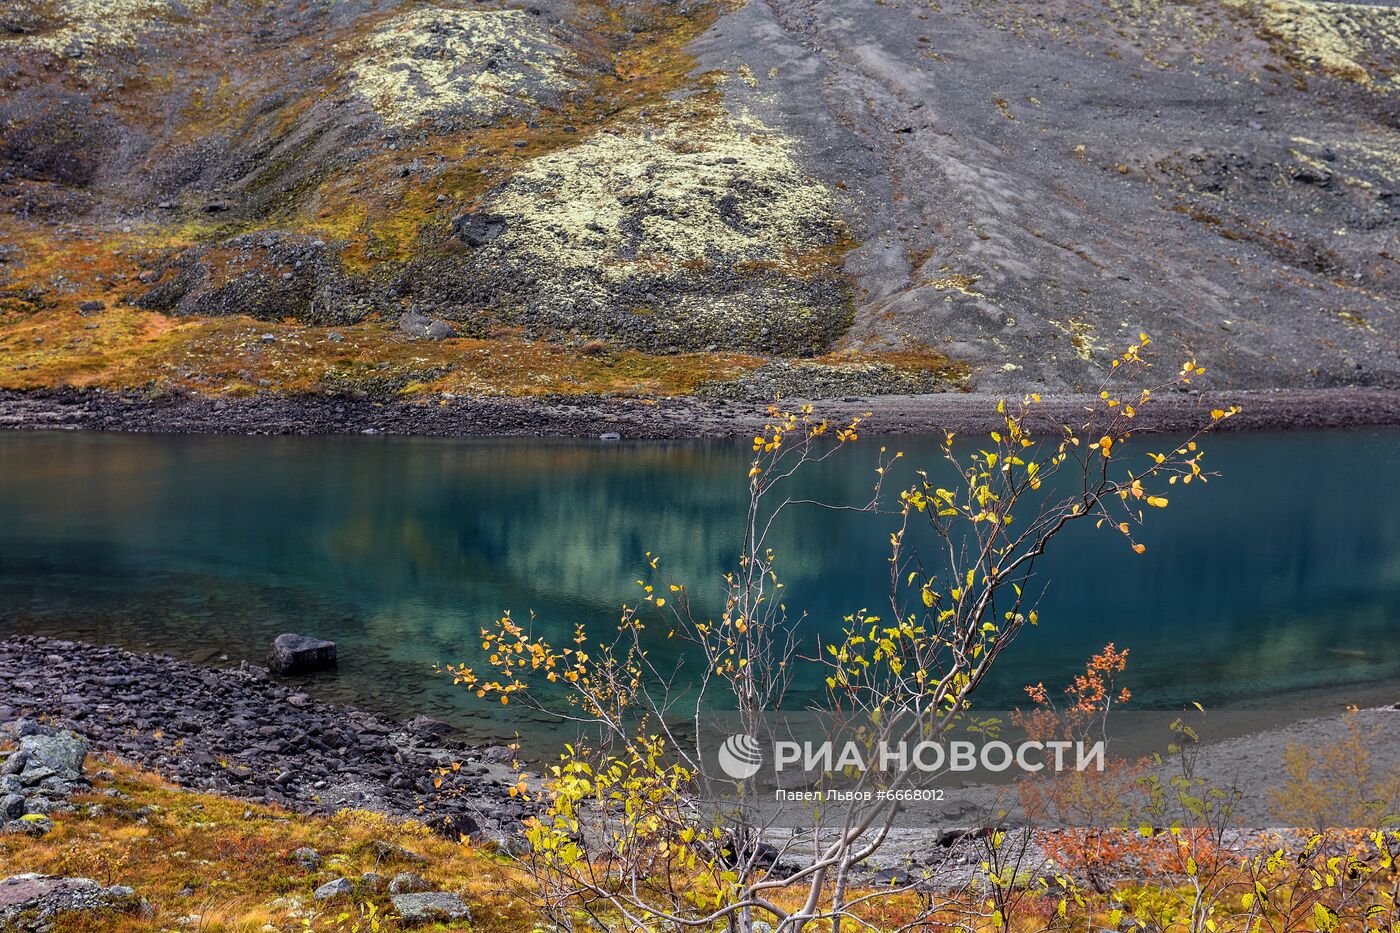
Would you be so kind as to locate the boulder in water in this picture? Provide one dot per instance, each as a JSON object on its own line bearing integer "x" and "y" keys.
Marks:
{"x": 299, "y": 654}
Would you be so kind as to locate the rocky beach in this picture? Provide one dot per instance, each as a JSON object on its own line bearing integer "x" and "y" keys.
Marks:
{"x": 240, "y": 733}
{"x": 676, "y": 418}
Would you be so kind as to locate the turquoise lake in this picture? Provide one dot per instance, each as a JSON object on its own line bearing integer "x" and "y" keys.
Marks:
{"x": 1278, "y": 583}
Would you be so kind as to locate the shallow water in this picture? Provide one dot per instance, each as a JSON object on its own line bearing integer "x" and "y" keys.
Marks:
{"x": 1280, "y": 578}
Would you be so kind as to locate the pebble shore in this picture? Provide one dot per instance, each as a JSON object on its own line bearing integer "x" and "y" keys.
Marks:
{"x": 240, "y": 733}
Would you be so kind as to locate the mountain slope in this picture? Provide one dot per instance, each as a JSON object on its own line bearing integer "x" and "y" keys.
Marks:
{"x": 646, "y": 197}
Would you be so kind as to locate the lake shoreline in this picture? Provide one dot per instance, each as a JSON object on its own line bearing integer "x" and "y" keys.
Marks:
{"x": 661, "y": 418}
{"x": 242, "y": 733}
{"x": 186, "y": 723}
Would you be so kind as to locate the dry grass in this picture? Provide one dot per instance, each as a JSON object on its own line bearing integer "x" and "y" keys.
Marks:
{"x": 140, "y": 350}
{"x": 229, "y": 863}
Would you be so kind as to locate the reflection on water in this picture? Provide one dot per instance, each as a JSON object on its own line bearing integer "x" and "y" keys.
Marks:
{"x": 1282, "y": 575}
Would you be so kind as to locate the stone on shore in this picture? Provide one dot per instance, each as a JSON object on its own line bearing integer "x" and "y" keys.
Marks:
{"x": 299, "y": 654}
{"x": 48, "y": 763}
{"x": 62, "y": 754}
{"x": 430, "y": 907}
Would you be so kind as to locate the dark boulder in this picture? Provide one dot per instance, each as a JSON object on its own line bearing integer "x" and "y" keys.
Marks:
{"x": 454, "y": 826}
{"x": 427, "y": 727}
{"x": 298, "y": 654}
{"x": 478, "y": 229}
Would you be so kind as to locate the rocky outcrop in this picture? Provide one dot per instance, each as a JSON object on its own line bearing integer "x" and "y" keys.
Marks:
{"x": 695, "y": 231}
{"x": 464, "y": 66}
{"x": 33, "y": 903}
{"x": 39, "y": 775}
{"x": 271, "y": 276}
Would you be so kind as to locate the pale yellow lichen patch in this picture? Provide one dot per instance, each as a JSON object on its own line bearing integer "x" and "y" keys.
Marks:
{"x": 1380, "y": 157}
{"x": 478, "y": 64}
{"x": 696, "y": 224}
{"x": 1081, "y": 336}
{"x": 703, "y": 191}
{"x": 82, "y": 25}
{"x": 1347, "y": 40}
{"x": 956, "y": 281}
{"x": 1358, "y": 162}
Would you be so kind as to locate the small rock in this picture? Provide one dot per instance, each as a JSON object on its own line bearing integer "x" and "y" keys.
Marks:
{"x": 427, "y": 726}
{"x": 407, "y": 882}
{"x": 306, "y": 857}
{"x": 439, "y": 330}
{"x": 454, "y": 826}
{"x": 33, "y": 824}
{"x": 429, "y": 907}
{"x": 388, "y": 852}
{"x": 11, "y": 807}
{"x": 87, "y": 307}
{"x": 416, "y": 324}
{"x": 338, "y": 888}
{"x": 33, "y": 776}
{"x": 610, "y": 436}
{"x": 892, "y": 878}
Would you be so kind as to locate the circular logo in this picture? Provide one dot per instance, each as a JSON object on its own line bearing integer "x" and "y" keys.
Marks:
{"x": 740, "y": 757}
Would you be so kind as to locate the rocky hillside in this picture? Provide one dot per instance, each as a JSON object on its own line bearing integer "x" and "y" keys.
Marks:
{"x": 651, "y": 197}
